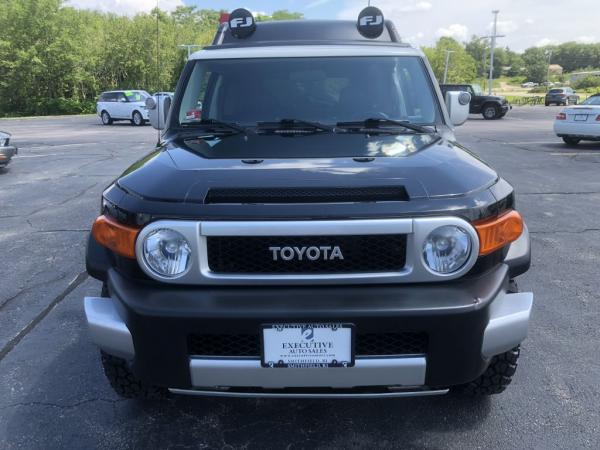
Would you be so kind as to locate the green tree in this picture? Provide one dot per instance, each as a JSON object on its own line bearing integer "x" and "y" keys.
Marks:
{"x": 462, "y": 68}
{"x": 536, "y": 63}
{"x": 479, "y": 50}
{"x": 282, "y": 14}
{"x": 57, "y": 59}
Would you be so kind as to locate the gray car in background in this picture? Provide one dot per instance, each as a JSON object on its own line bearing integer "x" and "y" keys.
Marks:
{"x": 7, "y": 151}
{"x": 562, "y": 96}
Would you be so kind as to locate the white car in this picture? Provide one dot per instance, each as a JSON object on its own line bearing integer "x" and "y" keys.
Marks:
{"x": 123, "y": 105}
{"x": 580, "y": 122}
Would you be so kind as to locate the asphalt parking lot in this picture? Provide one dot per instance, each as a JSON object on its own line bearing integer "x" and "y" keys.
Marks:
{"x": 52, "y": 390}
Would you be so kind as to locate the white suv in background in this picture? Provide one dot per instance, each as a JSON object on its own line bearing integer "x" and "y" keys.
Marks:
{"x": 123, "y": 105}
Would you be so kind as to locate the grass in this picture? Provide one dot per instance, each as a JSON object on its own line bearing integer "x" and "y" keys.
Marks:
{"x": 510, "y": 87}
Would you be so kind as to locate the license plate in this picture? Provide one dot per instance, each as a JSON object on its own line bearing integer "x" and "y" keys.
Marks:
{"x": 308, "y": 345}
{"x": 581, "y": 117}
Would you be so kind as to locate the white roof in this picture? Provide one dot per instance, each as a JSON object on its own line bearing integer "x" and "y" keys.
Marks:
{"x": 303, "y": 51}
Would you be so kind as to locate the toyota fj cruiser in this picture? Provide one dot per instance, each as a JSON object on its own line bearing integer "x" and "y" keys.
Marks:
{"x": 308, "y": 226}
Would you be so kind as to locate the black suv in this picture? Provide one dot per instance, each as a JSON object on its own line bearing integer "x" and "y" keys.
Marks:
{"x": 312, "y": 229}
{"x": 490, "y": 106}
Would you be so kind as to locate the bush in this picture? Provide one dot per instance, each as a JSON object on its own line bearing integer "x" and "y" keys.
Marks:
{"x": 539, "y": 90}
{"x": 61, "y": 106}
{"x": 589, "y": 82}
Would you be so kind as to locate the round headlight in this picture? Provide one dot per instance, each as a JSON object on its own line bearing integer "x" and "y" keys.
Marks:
{"x": 167, "y": 253}
{"x": 447, "y": 249}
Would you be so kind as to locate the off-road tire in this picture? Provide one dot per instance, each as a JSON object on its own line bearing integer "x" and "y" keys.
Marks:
{"x": 571, "y": 140}
{"x": 497, "y": 376}
{"x": 125, "y": 383}
{"x": 486, "y": 112}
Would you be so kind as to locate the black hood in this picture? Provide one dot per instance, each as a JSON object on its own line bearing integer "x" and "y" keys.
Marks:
{"x": 437, "y": 176}
{"x": 425, "y": 165}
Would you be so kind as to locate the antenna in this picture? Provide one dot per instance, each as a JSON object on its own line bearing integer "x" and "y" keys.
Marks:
{"x": 158, "y": 97}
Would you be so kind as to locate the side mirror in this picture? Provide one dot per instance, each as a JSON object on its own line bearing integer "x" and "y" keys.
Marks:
{"x": 158, "y": 111}
{"x": 458, "y": 106}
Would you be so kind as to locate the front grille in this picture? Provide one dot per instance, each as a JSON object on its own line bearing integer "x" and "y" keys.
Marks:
{"x": 307, "y": 195}
{"x": 385, "y": 344}
{"x": 367, "y": 344}
{"x": 253, "y": 255}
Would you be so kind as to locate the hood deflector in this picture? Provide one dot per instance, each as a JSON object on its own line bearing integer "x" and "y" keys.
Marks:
{"x": 306, "y": 195}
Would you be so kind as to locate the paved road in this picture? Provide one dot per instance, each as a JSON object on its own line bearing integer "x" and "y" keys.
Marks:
{"x": 52, "y": 391}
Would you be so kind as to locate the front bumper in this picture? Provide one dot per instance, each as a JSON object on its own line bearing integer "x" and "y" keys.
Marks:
{"x": 467, "y": 322}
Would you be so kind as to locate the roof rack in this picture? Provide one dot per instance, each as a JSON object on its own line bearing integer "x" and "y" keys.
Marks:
{"x": 242, "y": 30}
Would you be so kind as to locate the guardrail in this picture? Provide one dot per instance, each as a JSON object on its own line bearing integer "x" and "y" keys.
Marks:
{"x": 517, "y": 100}
{"x": 526, "y": 101}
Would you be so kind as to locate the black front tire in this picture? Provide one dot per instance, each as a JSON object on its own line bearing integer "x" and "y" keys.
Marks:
{"x": 125, "y": 383}
{"x": 490, "y": 112}
{"x": 571, "y": 140}
{"x": 497, "y": 376}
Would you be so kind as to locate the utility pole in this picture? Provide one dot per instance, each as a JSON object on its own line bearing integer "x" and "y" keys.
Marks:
{"x": 549, "y": 62}
{"x": 494, "y": 36}
{"x": 189, "y": 48}
{"x": 447, "y": 63}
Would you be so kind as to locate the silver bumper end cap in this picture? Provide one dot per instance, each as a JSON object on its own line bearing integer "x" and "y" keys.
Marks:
{"x": 106, "y": 327}
{"x": 232, "y": 373}
{"x": 509, "y": 321}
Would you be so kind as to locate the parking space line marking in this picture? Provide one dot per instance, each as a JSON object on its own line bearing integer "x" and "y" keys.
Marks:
{"x": 533, "y": 142}
{"x": 577, "y": 154}
{"x": 39, "y": 156}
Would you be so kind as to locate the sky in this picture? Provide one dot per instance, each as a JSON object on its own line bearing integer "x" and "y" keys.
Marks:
{"x": 525, "y": 23}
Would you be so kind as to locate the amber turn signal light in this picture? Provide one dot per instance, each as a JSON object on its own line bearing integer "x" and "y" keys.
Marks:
{"x": 497, "y": 232}
{"x": 114, "y": 236}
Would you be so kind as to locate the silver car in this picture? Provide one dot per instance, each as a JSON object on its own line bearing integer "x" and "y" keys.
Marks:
{"x": 7, "y": 151}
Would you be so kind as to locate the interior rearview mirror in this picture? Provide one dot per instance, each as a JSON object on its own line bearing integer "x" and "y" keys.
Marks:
{"x": 158, "y": 110}
{"x": 457, "y": 103}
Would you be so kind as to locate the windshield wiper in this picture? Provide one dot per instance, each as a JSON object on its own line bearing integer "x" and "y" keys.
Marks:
{"x": 215, "y": 125}
{"x": 294, "y": 126}
{"x": 382, "y": 125}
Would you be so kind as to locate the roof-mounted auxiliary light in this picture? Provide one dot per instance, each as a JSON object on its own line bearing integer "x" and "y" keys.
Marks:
{"x": 242, "y": 23}
{"x": 371, "y": 22}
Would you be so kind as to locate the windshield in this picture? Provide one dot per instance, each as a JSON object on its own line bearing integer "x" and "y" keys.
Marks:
{"x": 477, "y": 89}
{"x": 136, "y": 96}
{"x": 593, "y": 101}
{"x": 321, "y": 89}
{"x": 556, "y": 91}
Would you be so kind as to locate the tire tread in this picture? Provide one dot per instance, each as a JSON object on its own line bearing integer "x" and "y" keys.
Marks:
{"x": 497, "y": 376}
{"x": 125, "y": 383}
